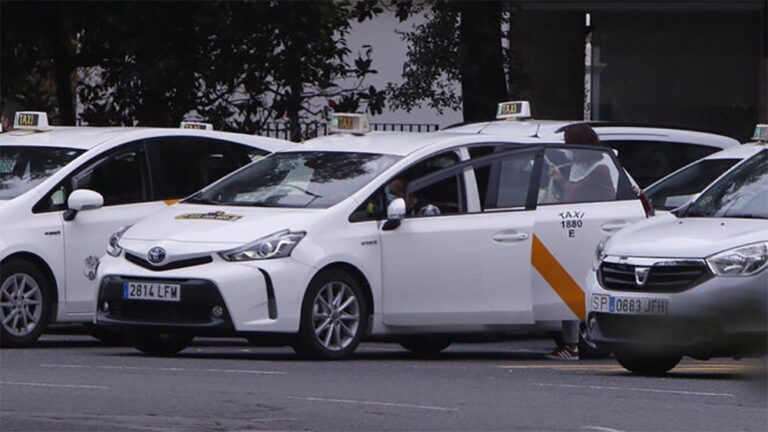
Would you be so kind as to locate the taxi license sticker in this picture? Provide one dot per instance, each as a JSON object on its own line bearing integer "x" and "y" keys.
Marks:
{"x": 7, "y": 165}
{"x": 216, "y": 216}
{"x": 571, "y": 221}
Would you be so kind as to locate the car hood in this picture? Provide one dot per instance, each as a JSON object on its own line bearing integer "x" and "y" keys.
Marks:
{"x": 667, "y": 236}
{"x": 209, "y": 224}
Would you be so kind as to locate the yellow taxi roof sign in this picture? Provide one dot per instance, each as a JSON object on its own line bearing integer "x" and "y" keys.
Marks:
{"x": 196, "y": 125}
{"x": 354, "y": 123}
{"x": 31, "y": 120}
{"x": 761, "y": 133}
{"x": 513, "y": 110}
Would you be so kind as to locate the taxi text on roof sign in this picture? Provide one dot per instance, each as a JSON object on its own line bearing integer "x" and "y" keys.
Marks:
{"x": 353, "y": 123}
{"x": 196, "y": 126}
{"x": 761, "y": 133}
{"x": 513, "y": 109}
{"x": 31, "y": 120}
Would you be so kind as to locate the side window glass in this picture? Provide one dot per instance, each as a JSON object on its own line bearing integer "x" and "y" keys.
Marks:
{"x": 648, "y": 161}
{"x": 515, "y": 175}
{"x": 440, "y": 198}
{"x": 120, "y": 178}
{"x": 577, "y": 175}
{"x": 183, "y": 165}
{"x": 374, "y": 208}
{"x": 482, "y": 173}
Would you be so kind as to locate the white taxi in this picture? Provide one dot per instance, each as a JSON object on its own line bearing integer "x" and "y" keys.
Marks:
{"x": 693, "y": 282}
{"x": 420, "y": 238}
{"x": 64, "y": 190}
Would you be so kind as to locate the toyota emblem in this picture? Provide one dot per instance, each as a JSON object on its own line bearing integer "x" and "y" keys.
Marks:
{"x": 156, "y": 255}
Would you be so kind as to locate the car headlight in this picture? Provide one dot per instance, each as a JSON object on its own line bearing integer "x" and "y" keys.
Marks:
{"x": 113, "y": 246}
{"x": 277, "y": 245}
{"x": 599, "y": 253}
{"x": 741, "y": 261}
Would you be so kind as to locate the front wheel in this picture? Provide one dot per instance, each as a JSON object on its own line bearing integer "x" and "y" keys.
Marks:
{"x": 333, "y": 317}
{"x": 647, "y": 364}
{"x": 161, "y": 344}
{"x": 25, "y": 303}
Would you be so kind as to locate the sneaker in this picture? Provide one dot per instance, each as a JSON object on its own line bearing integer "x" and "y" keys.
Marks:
{"x": 565, "y": 352}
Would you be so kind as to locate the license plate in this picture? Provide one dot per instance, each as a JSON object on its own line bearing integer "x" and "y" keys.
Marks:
{"x": 628, "y": 305}
{"x": 151, "y": 291}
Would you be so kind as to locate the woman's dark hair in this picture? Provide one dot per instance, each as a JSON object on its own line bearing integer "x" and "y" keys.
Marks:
{"x": 580, "y": 133}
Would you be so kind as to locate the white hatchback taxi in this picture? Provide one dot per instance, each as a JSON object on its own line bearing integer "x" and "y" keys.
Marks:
{"x": 693, "y": 282}
{"x": 420, "y": 238}
{"x": 65, "y": 190}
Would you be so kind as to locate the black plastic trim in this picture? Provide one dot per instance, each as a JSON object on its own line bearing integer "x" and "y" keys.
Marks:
{"x": 271, "y": 301}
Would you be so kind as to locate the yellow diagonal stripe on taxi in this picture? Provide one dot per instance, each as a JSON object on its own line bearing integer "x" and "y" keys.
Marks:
{"x": 558, "y": 278}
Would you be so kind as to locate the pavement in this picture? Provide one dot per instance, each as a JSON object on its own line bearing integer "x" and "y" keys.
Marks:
{"x": 72, "y": 383}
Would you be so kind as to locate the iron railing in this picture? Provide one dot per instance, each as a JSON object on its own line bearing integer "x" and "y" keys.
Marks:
{"x": 312, "y": 130}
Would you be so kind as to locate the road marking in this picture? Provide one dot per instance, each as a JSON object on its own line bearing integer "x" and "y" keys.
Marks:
{"x": 593, "y": 387}
{"x": 53, "y": 385}
{"x": 363, "y": 402}
{"x": 602, "y": 429}
{"x": 165, "y": 369}
{"x": 719, "y": 368}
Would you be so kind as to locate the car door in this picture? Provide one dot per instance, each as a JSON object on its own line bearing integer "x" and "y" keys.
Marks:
{"x": 121, "y": 176}
{"x": 583, "y": 196}
{"x": 462, "y": 267}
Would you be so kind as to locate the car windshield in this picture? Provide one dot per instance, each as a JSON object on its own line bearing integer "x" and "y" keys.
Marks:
{"x": 742, "y": 193}
{"x": 681, "y": 187}
{"x": 297, "y": 179}
{"x": 24, "y": 167}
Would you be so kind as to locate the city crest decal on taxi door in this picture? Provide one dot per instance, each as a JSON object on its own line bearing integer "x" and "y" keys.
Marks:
{"x": 215, "y": 216}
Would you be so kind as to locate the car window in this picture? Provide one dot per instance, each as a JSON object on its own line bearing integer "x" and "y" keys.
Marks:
{"x": 515, "y": 175}
{"x": 678, "y": 189}
{"x": 482, "y": 173}
{"x": 184, "y": 165}
{"x": 577, "y": 175}
{"x": 121, "y": 178}
{"x": 649, "y": 161}
{"x": 24, "y": 167}
{"x": 439, "y": 199}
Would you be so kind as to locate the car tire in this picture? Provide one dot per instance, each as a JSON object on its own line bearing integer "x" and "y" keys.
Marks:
{"x": 159, "y": 344}
{"x": 648, "y": 364}
{"x": 26, "y": 303}
{"x": 424, "y": 346}
{"x": 334, "y": 315}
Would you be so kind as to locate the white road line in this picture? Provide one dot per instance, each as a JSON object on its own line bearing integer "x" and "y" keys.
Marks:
{"x": 593, "y": 387}
{"x": 54, "y": 385}
{"x": 164, "y": 369}
{"x": 363, "y": 402}
{"x": 602, "y": 429}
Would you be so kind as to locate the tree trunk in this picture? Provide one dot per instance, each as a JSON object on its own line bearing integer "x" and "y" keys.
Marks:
{"x": 62, "y": 68}
{"x": 483, "y": 83}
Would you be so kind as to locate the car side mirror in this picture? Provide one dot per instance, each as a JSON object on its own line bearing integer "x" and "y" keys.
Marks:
{"x": 82, "y": 199}
{"x": 395, "y": 214}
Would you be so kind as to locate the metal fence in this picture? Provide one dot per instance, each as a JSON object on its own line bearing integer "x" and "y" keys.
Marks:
{"x": 312, "y": 130}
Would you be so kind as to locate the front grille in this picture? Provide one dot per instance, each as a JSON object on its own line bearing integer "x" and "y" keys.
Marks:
{"x": 662, "y": 276}
{"x": 198, "y": 297}
{"x": 190, "y": 262}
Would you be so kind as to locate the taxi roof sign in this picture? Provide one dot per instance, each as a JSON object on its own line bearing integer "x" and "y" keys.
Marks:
{"x": 761, "y": 133}
{"x": 196, "y": 125}
{"x": 513, "y": 110}
{"x": 31, "y": 120}
{"x": 354, "y": 123}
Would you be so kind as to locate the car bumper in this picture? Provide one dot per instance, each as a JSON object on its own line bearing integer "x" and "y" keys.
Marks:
{"x": 259, "y": 296}
{"x": 723, "y": 316}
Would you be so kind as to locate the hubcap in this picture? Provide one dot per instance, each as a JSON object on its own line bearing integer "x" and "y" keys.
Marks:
{"x": 21, "y": 304}
{"x": 335, "y": 316}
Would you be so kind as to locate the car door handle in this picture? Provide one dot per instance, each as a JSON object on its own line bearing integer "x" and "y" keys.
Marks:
{"x": 510, "y": 236}
{"x": 613, "y": 226}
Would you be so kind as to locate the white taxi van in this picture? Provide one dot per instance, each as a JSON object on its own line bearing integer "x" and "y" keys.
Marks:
{"x": 65, "y": 190}
{"x": 420, "y": 238}
{"x": 693, "y": 282}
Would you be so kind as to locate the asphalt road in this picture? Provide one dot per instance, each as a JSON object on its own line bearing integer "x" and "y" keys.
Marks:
{"x": 73, "y": 383}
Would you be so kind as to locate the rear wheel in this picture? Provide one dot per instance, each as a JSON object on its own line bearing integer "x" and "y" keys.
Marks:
{"x": 162, "y": 344}
{"x": 648, "y": 364}
{"x": 26, "y": 302}
{"x": 424, "y": 346}
{"x": 333, "y": 317}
